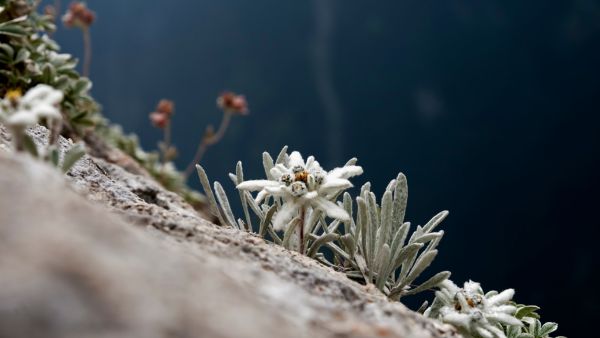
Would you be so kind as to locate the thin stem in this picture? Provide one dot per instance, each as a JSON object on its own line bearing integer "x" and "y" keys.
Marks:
{"x": 166, "y": 142}
{"x": 207, "y": 142}
{"x": 17, "y": 134}
{"x": 57, "y": 8}
{"x": 87, "y": 51}
{"x": 301, "y": 230}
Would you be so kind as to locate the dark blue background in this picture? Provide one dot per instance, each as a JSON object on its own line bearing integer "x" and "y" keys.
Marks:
{"x": 489, "y": 107}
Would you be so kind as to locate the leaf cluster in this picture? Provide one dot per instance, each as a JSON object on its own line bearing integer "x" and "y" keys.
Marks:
{"x": 374, "y": 245}
{"x": 28, "y": 57}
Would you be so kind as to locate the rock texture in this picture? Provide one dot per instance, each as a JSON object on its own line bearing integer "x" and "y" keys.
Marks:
{"x": 102, "y": 252}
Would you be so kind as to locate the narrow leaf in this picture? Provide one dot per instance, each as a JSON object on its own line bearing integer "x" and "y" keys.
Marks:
{"x": 224, "y": 202}
{"x": 72, "y": 155}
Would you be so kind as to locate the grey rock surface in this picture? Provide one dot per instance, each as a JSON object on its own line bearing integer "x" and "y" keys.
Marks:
{"x": 101, "y": 252}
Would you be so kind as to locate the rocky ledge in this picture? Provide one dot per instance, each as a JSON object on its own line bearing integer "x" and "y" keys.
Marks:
{"x": 102, "y": 252}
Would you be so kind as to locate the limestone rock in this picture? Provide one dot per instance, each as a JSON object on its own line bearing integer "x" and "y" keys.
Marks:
{"x": 102, "y": 252}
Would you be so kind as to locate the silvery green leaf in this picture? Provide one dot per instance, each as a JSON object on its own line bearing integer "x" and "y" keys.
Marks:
{"x": 399, "y": 239}
{"x": 391, "y": 186}
{"x": 54, "y": 156}
{"x": 74, "y": 154}
{"x": 268, "y": 165}
{"x": 29, "y": 145}
{"x": 408, "y": 261}
{"x": 547, "y": 329}
{"x": 255, "y": 208}
{"x": 525, "y": 335}
{"x": 407, "y": 252}
{"x": 224, "y": 202}
{"x": 386, "y": 219}
{"x": 363, "y": 227}
{"x": 265, "y": 223}
{"x": 348, "y": 207}
{"x": 525, "y": 311}
{"x": 423, "y": 307}
{"x": 372, "y": 221}
{"x": 427, "y": 237}
{"x": 320, "y": 242}
{"x": 282, "y": 157}
{"x": 512, "y": 331}
{"x": 349, "y": 244}
{"x": 351, "y": 161}
{"x": 362, "y": 266}
{"x": 365, "y": 187}
{"x": 289, "y": 231}
{"x": 239, "y": 176}
{"x": 381, "y": 264}
{"x": 430, "y": 283}
{"x": 400, "y": 200}
{"x": 214, "y": 207}
{"x": 435, "y": 242}
{"x": 333, "y": 226}
{"x": 233, "y": 179}
{"x": 435, "y": 221}
{"x": 420, "y": 265}
{"x": 22, "y": 55}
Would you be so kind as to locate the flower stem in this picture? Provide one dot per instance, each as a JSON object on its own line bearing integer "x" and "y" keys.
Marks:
{"x": 57, "y": 8}
{"x": 208, "y": 141}
{"x": 17, "y": 134}
{"x": 166, "y": 141}
{"x": 87, "y": 51}
{"x": 301, "y": 230}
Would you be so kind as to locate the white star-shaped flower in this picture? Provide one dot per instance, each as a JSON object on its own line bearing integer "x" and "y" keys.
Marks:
{"x": 472, "y": 311}
{"x": 304, "y": 184}
{"x": 39, "y": 102}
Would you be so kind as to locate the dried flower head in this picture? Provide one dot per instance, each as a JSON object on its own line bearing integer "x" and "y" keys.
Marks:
{"x": 159, "y": 120}
{"x": 78, "y": 15}
{"x": 303, "y": 184}
{"x": 166, "y": 107}
{"x": 162, "y": 116}
{"x": 233, "y": 103}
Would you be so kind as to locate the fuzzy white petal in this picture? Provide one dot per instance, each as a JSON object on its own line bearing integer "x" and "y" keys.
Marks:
{"x": 331, "y": 209}
{"x": 457, "y": 319}
{"x": 279, "y": 190}
{"x": 501, "y": 298}
{"x": 45, "y": 110}
{"x": 335, "y": 184}
{"x": 504, "y": 318}
{"x": 484, "y": 333}
{"x": 309, "y": 162}
{"x": 287, "y": 211}
{"x": 346, "y": 172}
{"x": 256, "y": 185}
{"x": 506, "y": 309}
{"x": 310, "y": 195}
{"x": 260, "y": 196}
{"x": 22, "y": 118}
{"x": 278, "y": 171}
{"x": 296, "y": 160}
{"x": 495, "y": 331}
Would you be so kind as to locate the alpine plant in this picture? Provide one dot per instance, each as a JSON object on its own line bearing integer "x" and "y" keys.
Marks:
{"x": 302, "y": 185}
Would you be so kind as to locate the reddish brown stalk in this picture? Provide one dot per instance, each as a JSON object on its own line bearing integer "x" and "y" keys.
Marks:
{"x": 87, "y": 51}
{"x": 208, "y": 141}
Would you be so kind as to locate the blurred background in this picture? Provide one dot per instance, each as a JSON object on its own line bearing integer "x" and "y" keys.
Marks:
{"x": 491, "y": 109}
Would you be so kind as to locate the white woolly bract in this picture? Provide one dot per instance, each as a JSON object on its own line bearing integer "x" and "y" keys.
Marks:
{"x": 298, "y": 184}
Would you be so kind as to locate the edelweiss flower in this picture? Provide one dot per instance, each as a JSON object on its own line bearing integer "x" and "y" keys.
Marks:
{"x": 303, "y": 184}
{"x": 40, "y": 101}
{"x": 472, "y": 311}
